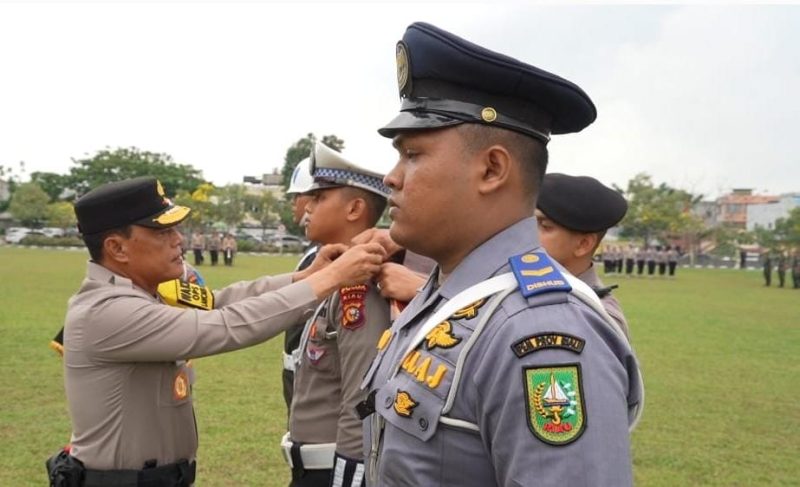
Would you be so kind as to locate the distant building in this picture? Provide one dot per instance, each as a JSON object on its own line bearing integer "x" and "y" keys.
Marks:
{"x": 5, "y": 190}
{"x": 765, "y": 215}
{"x": 733, "y": 207}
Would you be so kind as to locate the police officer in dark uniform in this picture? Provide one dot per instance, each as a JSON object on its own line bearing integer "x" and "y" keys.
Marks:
{"x": 505, "y": 369}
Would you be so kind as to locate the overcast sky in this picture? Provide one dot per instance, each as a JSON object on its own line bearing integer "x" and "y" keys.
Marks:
{"x": 703, "y": 98}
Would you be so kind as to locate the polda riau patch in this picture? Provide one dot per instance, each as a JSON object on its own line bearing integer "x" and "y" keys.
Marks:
{"x": 554, "y": 403}
{"x": 353, "y": 300}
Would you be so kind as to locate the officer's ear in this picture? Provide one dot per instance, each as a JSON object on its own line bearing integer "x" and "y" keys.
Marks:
{"x": 495, "y": 170}
{"x": 587, "y": 244}
{"x": 115, "y": 248}
{"x": 356, "y": 209}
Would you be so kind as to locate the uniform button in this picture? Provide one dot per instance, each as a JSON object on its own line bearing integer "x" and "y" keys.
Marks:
{"x": 423, "y": 424}
{"x": 388, "y": 401}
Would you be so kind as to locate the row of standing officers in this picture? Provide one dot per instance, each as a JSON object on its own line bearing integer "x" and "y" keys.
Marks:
{"x": 504, "y": 369}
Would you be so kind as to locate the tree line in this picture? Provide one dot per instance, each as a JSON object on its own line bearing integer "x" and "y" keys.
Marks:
{"x": 46, "y": 200}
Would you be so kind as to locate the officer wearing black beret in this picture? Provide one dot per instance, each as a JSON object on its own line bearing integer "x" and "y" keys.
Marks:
{"x": 573, "y": 214}
{"x": 126, "y": 380}
{"x": 505, "y": 369}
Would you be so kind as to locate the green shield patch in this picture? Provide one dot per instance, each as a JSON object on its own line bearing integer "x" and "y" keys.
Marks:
{"x": 554, "y": 402}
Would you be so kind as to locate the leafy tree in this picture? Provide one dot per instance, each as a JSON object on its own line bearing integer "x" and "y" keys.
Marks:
{"x": 301, "y": 149}
{"x": 61, "y": 214}
{"x": 263, "y": 207}
{"x": 787, "y": 229}
{"x": 656, "y": 211}
{"x": 29, "y": 204}
{"x": 123, "y": 163}
{"x": 53, "y": 184}
{"x": 200, "y": 201}
{"x": 230, "y": 206}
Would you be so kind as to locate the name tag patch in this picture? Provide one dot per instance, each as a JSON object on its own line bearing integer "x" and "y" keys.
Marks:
{"x": 542, "y": 341}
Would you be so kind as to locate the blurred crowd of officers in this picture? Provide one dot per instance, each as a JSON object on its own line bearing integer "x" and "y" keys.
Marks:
{"x": 215, "y": 244}
{"x": 782, "y": 262}
{"x": 632, "y": 261}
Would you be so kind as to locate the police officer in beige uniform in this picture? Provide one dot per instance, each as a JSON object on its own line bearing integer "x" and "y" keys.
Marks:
{"x": 324, "y": 445}
{"x": 573, "y": 214}
{"x": 505, "y": 370}
{"x": 126, "y": 381}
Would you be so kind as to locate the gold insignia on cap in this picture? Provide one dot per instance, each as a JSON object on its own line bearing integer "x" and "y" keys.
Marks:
{"x": 173, "y": 215}
{"x": 404, "y": 404}
{"x": 403, "y": 69}
{"x": 489, "y": 114}
{"x": 160, "y": 189}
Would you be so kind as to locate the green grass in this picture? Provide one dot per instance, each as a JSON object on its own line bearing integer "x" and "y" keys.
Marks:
{"x": 719, "y": 353}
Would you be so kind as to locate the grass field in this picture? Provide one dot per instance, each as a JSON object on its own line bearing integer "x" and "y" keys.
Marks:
{"x": 719, "y": 354}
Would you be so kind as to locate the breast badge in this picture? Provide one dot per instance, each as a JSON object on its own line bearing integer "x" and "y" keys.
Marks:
{"x": 403, "y": 404}
{"x": 556, "y": 412}
{"x": 470, "y": 311}
{"x": 314, "y": 353}
{"x": 353, "y": 303}
{"x": 441, "y": 336}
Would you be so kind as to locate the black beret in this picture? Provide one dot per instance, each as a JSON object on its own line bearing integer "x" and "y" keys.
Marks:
{"x": 580, "y": 203}
{"x": 445, "y": 80}
{"x": 139, "y": 201}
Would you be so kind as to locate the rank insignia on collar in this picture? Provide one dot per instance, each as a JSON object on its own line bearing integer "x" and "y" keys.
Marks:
{"x": 384, "y": 339}
{"x": 404, "y": 404}
{"x": 441, "y": 336}
{"x": 470, "y": 311}
{"x": 353, "y": 303}
{"x": 537, "y": 274}
{"x": 554, "y": 403}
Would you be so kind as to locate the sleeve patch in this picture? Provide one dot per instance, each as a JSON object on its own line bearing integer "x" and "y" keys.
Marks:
{"x": 537, "y": 274}
{"x": 554, "y": 403}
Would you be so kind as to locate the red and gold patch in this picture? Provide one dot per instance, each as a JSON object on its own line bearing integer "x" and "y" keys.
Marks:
{"x": 353, "y": 299}
{"x": 180, "y": 386}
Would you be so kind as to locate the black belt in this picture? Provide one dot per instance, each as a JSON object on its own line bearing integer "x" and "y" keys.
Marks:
{"x": 179, "y": 474}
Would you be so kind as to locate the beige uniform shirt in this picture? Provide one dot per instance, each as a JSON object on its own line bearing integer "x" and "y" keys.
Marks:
{"x": 340, "y": 345}
{"x": 610, "y": 303}
{"x": 126, "y": 384}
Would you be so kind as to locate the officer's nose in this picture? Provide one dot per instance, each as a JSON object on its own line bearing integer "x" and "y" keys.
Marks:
{"x": 393, "y": 178}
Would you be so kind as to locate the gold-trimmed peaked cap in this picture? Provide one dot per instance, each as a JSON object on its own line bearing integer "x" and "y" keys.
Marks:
{"x": 331, "y": 169}
{"x": 445, "y": 80}
{"x": 137, "y": 201}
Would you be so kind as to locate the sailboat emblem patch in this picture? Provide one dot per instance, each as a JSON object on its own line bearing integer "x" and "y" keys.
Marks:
{"x": 554, "y": 402}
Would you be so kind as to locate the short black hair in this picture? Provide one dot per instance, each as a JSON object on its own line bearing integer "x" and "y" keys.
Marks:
{"x": 530, "y": 152}
{"x": 94, "y": 241}
{"x": 376, "y": 203}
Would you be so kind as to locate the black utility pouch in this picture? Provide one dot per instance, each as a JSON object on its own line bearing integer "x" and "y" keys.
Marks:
{"x": 64, "y": 470}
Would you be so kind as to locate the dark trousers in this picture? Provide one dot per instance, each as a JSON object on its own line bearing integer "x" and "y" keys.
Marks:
{"x": 672, "y": 266}
{"x": 796, "y": 279}
{"x": 781, "y": 278}
{"x": 651, "y": 267}
{"x": 310, "y": 478}
{"x": 198, "y": 256}
{"x": 662, "y": 268}
{"x": 214, "y": 256}
{"x": 228, "y": 256}
{"x": 639, "y": 267}
{"x": 767, "y": 277}
{"x": 619, "y": 266}
{"x": 628, "y": 266}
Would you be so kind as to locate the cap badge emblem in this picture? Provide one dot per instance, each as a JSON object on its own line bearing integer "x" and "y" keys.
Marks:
{"x": 403, "y": 68}
{"x": 489, "y": 114}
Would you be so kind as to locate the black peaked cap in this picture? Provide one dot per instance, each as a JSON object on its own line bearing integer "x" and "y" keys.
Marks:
{"x": 580, "y": 203}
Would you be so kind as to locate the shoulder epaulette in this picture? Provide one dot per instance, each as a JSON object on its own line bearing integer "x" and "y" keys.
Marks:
{"x": 537, "y": 274}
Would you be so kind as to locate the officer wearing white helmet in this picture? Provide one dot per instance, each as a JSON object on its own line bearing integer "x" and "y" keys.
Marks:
{"x": 299, "y": 188}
